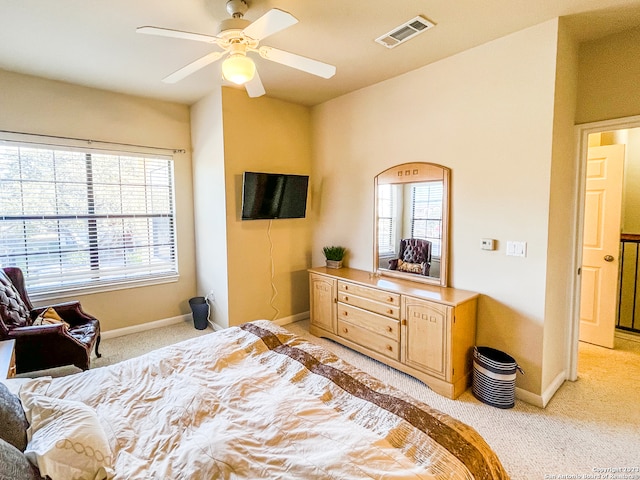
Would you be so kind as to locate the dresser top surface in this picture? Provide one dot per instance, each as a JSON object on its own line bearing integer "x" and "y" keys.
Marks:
{"x": 445, "y": 295}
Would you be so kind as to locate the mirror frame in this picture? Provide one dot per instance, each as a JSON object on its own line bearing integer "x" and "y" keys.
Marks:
{"x": 412, "y": 173}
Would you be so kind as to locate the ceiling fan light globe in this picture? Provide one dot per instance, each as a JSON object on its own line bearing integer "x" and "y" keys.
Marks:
{"x": 238, "y": 69}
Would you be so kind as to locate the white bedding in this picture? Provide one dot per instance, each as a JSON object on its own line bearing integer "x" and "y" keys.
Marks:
{"x": 233, "y": 405}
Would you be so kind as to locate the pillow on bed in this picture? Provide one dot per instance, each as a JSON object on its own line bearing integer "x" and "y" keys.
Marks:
{"x": 13, "y": 423}
{"x": 66, "y": 439}
{"x": 14, "y": 465}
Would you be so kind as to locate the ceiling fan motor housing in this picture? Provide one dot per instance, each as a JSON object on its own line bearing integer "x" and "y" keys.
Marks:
{"x": 232, "y": 25}
{"x": 237, "y": 8}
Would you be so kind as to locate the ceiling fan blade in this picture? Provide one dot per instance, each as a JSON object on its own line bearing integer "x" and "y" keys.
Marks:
{"x": 167, "y": 32}
{"x": 271, "y": 22}
{"x": 254, "y": 86}
{"x": 193, "y": 67}
{"x": 299, "y": 62}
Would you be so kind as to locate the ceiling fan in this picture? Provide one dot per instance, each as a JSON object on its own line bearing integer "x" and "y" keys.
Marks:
{"x": 236, "y": 38}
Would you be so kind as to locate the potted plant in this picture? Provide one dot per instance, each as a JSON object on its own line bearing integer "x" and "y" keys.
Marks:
{"x": 334, "y": 256}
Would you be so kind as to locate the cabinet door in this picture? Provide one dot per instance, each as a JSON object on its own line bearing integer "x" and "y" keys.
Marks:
{"x": 426, "y": 336}
{"x": 323, "y": 302}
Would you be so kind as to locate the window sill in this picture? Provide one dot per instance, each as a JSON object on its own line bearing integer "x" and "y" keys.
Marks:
{"x": 62, "y": 292}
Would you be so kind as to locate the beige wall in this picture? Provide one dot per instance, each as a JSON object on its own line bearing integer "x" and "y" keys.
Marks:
{"x": 265, "y": 135}
{"x": 608, "y": 77}
{"x": 45, "y": 107}
{"x": 210, "y": 205}
{"x": 235, "y": 257}
{"x": 488, "y": 114}
{"x": 631, "y": 188}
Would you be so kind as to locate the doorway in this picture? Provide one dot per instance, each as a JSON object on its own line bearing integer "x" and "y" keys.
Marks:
{"x": 620, "y": 131}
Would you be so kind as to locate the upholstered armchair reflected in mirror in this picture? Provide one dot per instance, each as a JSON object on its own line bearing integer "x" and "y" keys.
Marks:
{"x": 46, "y": 337}
{"x": 414, "y": 256}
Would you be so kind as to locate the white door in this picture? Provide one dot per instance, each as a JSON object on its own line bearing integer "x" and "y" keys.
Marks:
{"x": 601, "y": 244}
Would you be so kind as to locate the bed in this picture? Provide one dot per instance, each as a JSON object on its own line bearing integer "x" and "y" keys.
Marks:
{"x": 247, "y": 402}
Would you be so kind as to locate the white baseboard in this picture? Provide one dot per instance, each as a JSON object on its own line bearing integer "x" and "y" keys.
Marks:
{"x": 542, "y": 400}
{"x": 555, "y": 385}
{"x": 292, "y": 319}
{"x": 165, "y": 322}
{"x": 215, "y": 326}
{"x": 280, "y": 321}
{"x": 528, "y": 397}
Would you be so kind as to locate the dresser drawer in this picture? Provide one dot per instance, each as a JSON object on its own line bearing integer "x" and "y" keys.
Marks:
{"x": 362, "y": 336}
{"x": 377, "y": 307}
{"x": 370, "y": 293}
{"x": 387, "y": 327}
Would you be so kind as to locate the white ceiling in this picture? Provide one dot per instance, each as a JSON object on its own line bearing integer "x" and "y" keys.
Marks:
{"x": 94, "y": 43}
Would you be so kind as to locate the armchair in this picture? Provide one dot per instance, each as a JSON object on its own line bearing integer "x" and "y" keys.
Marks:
{"x": 47, "y": 345}
{"x": 414, "y": 252}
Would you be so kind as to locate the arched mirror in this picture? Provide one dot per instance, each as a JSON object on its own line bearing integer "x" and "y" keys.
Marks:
{"x": 412, "y": 222}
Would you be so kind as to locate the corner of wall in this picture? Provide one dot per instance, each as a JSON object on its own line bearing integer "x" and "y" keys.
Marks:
{"x": 543, "y": 399}
{"x": 562, "y": 233}
{"x": 210, "y": 203}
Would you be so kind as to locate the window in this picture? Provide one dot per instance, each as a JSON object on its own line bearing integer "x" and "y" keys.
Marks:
{"x": 426, "y": 214}
{"x": 387, "y": 222}
{"x": 78, "y": 218}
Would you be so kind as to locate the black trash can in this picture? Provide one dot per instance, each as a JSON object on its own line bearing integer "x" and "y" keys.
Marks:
{"x": 200, "y": 311}
{"x": 494, "y": 377}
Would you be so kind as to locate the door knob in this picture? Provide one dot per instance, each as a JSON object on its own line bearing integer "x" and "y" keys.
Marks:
{"x": 608, "y": 258}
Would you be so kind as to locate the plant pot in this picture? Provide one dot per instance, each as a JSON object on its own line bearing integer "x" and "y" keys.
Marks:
{"x": 334, "y": 263}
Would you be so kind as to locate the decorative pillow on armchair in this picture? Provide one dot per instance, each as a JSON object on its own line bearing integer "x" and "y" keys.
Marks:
{"x": 410, "y": 267}
{"x": 49, "y": 316}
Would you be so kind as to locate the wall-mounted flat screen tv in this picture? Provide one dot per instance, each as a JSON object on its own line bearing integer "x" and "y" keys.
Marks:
{"x": 273, "y": 195}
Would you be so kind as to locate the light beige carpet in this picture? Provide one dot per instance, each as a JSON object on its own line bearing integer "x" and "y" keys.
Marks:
{"x": 590, "y": 424}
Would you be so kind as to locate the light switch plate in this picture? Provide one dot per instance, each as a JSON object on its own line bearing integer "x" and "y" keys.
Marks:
{"x": 516, "y": 249}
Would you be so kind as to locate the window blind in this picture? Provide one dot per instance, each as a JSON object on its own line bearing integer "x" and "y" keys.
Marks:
{"x": 73, "y": 218}
{"x": 426, "y": 216}
{"x": 386, "y": 220}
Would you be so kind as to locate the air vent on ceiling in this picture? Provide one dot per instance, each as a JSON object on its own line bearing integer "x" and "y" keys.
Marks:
{"x": 405, "y": 32}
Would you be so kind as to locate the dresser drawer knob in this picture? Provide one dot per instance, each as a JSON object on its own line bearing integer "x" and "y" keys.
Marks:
{"x": 346, "y": 299}
{"x": 390, "y": 299}
{"x": 346, "y": 287}
{"x": 390, "y": 348}
{"x": 345, "y": 314}
{"x": 345, "y": 330}
{"x": 389, "y": 329}
{"x": 390, "y": 312}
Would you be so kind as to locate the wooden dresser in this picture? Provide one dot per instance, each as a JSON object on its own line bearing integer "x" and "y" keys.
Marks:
{"x": 423, "y": 330}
